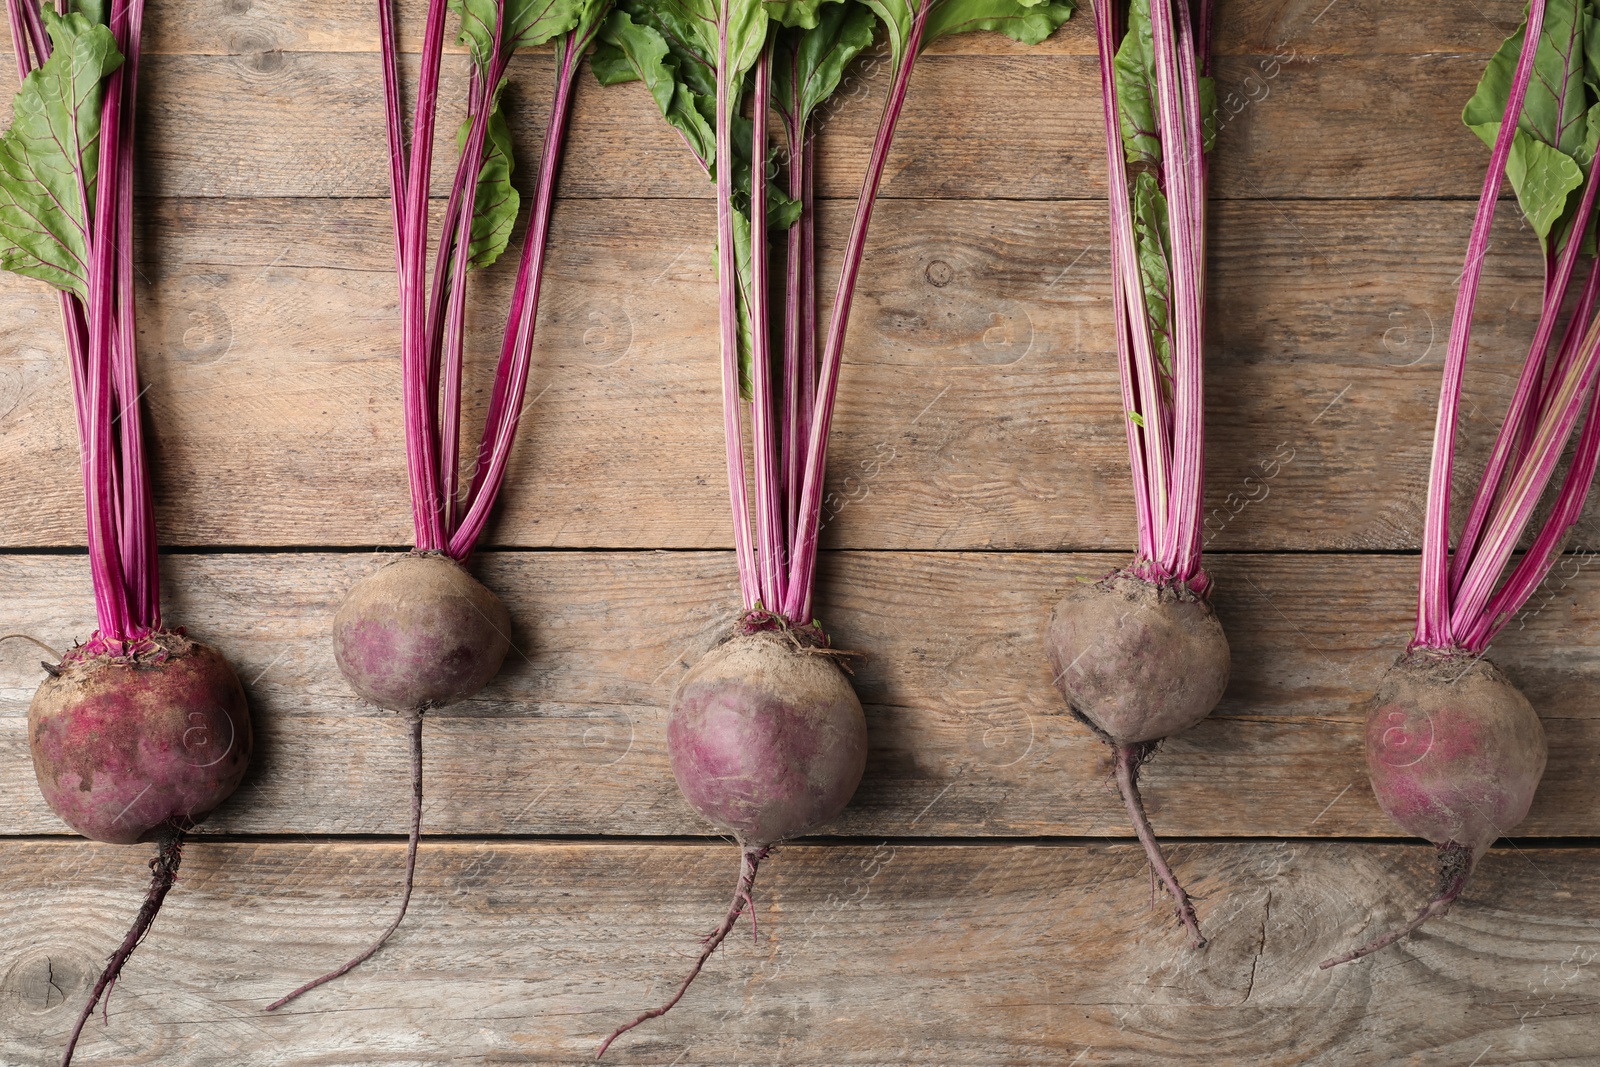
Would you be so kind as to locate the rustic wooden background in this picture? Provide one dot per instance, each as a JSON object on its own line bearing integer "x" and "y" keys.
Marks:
{"x": 982, "y": 901}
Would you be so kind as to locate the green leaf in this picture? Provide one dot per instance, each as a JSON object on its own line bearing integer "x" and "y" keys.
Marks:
{"x": 49, "y": 156}
{"x": 810, "y": 63}
{"x": 528, "y": 22}
{"x": 672, "y": 47}
{"x": 645, "y": 49}
{"x": 1543, "y": 178}
{"x": 1555, "y": 110}
{"x": 1208, "y": 113}
{"x": 1555, "y": 135}
{"x": 741, "y": 258}
{"x": 1134, "y": 71}
{"x": 1152, "y": 246}
{"x": 896, "y": 16}
{"x": 798, "y": 14}
{"x": 96, "y": 11}
{"x": 494, "y": 213}
{"x": 747, "y": 36}
{"x": 611, "y": 65}
{"x": 1021, "y": 20}
{"x": 590, "y": 14}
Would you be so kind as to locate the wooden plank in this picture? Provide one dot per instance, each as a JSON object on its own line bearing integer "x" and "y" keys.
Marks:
{"x": 530, "y": 953}
{"x": 968, "y": 736}
{"x": 979, "y": 404}
{"x": 308, "y": 124}
{"x": 1351, "y": 26}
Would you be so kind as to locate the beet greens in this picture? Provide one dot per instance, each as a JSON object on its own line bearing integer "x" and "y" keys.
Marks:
{"x": 139, "y": 732}
{"x": 1454, "y": 750}
{"x": 422, "y": 633}
{"x": 766, "y": 736}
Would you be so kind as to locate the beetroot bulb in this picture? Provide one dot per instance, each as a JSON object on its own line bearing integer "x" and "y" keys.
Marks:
{"x": 422, "y": 633}
{"x": 139, "y": 732}
{"x": 767, "y": 741}
{"x": 1453, "y": 750}
{"x": 1139, "y": 655}
{"x": 767, "y": 738}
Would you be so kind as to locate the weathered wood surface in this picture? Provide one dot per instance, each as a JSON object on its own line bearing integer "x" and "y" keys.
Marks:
{"x": 1314, "y": 113}
{"x": 871, "y": 953}
{"x": 979, "y": 414}
{"x": 968, "y": 736}
{"x": 979, "y": 407}
{"x": 1363, "y": 27}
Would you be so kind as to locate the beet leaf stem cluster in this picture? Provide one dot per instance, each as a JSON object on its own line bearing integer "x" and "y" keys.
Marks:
{"x": 1538, "y": 107}
{"x": 66, "y": 218}
{"x": 722, "y": 72}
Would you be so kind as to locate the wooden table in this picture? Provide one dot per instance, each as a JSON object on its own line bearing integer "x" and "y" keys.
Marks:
{"x": 982, "y": 901}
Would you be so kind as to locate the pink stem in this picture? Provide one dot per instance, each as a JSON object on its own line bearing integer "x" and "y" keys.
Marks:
{"x": 769, "y": 515}
{"x": 101, "y": 355}
{"x": 1522, "y": 495}
{"x": 454, "y": 259}
{"x": 100, "y": 460}
{"x": 27, "y": 14}
{"x": 1177, "y": 96}
{"x": 1532, "y": 569}
{"x": 803, "y": 561}
{"x": 139, "y": 562}
{"x": 1515, "y": 435}
{"x": 421, "y": 424}
{"x": 728, "y": 312}
{"x": 1125, "y": 305}
{"x": 396, "y": 132}
{"x": 516, "y": 351}
{"x": 793, "y": 328}
{"x": 808, "y": 327}
{"x": 1434, "y": 628}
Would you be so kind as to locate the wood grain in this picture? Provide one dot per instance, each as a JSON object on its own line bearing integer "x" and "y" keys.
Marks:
{"x": 968, "y": 736}
{"x": 978, "y": 467}
{"x": 869, "y": 953}
{"x": 243, "y": 27}
{"x": 979, "y": 398}
{"x": 1296, "y": 125}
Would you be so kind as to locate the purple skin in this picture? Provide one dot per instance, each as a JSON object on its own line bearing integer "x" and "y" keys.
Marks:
{"x": 766, "y": 742}
{"x": 1137, "y": 662}
{"x": 125, "y": 748}
{"x": 1454, "y": 750}
{"x": 1455, "y": 753}
{"x": 420, "y": 633}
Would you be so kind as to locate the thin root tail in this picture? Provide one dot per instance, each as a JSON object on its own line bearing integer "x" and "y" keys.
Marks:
{"x": 163, "y": 873}
{"x": 415, "y": 723}
{"x": 1127, "y": 760}
{"x": 1455, "y": 867}
{"x": 749, "y": 860}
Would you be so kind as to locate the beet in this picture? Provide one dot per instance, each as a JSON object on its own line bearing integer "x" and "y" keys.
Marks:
{"x": 135, "y": 741}
{"x": 420, "y": 633}
{"x": 1455, "y": 753}
{"x": 767, "y": 741}
{"x": 1138, "y": 661}
{"x": 126, "y": 747}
